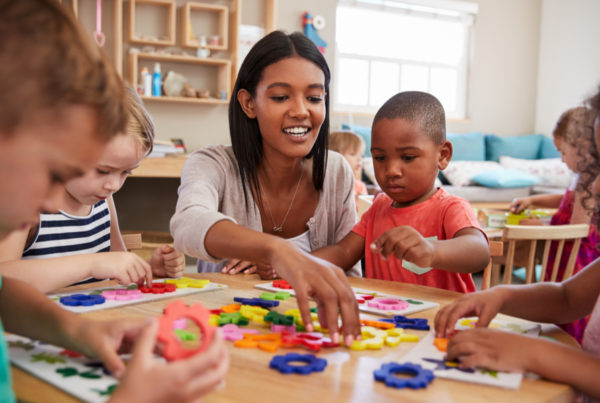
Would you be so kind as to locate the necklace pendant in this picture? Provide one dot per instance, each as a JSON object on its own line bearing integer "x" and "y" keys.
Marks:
{"x": 278, "y": 229}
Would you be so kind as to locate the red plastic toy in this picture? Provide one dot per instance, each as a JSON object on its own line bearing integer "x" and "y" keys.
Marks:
{"x": 282, "y": 284}
{"x": 158, "y": 288}
{"x": 173, "y": 349}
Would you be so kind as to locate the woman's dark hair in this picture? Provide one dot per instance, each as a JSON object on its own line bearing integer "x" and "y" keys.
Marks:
{"x": 246, "y": 138}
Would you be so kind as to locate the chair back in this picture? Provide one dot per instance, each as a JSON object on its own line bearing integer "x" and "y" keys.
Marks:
{"x": 544, "y": 234}
{"x": 496, "y": 249}
{"x": 132, "y": 241}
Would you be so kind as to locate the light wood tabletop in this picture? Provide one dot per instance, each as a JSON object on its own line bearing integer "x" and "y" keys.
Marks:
{"x": 348, "y": 376}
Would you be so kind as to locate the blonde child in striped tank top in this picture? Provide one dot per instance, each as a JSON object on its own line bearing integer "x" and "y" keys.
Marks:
{"x": 82, "y": 242}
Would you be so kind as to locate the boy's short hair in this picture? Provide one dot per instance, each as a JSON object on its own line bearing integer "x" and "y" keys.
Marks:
{"x": 139, "y": 123}
{"x": 343, "y": 141}
{"x": 50, "y": 63}
{"x": 419, "y": 107}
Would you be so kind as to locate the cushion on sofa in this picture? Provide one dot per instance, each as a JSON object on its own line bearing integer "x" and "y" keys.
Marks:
{"x": 525, "y": 147}
{"x": 362, "y": 131}
{"x": 548, "y": 149}
{"x": 459, "y": 173}
{"x": 551, "y": 172}
{"x": 467, "y": 147}
{"x": 505, "y": 178}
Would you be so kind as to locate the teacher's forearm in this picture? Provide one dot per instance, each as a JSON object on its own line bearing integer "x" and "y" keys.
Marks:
{"x": 226, "y": 239}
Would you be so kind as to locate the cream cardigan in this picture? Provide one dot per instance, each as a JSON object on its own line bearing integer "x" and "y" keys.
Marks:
{"x": 211, "y": 191}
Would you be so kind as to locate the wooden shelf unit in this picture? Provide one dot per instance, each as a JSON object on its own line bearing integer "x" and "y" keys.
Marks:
{"x": 223, "y": 75}
{"x": 222, "y": 15}
{"x": 171, "y": 12}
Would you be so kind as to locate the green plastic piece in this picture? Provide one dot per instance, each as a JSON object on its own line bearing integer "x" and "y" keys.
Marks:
{"x": 279, "y": 319}
{"x": 109, "y": 391}
{"x": 184, "y": 335}
{"x": 90, "y": 375}
{"x": 49, "y": 358}
{"x": 269, "y": 296}
{"x": 282, "y": 295}
{"x": 236, "y": 318}
{"x": 414, "y": 302}
{"x": 67, "y": 371}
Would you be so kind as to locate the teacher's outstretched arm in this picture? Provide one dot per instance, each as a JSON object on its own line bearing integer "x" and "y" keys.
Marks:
{"x": 310, "y": 276}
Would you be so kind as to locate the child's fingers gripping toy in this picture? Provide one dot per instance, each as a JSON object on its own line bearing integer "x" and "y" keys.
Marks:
{"x": 173, "y": 349}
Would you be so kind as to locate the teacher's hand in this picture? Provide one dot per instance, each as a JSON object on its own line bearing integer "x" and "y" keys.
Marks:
{"x": 326, "y": 283}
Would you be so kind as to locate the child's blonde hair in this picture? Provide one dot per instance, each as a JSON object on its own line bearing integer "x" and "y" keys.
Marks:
{"x": 344, "y": 141}
{"x": 139, "y": 123}
{"x": 50, "y": 63}
{"x": 574, "y": 124}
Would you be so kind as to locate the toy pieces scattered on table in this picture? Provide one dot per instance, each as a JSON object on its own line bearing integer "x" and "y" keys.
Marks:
{"x": 263, "y": 303}
{"x": 369, "y": 301}
{"x": 173, "y": 348}
{"x": 86, "y": 379}
{"x": 408, "y": 323}
{"x": 418, "y": 377}
{"x": 311, "y": 363}
{"x": 112, "y": 297}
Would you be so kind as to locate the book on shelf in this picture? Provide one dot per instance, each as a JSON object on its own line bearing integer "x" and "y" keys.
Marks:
{"x": 163, "y": 148}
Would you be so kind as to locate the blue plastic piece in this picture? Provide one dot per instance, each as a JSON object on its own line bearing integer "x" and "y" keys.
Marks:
{"x": 387, "y": 373}
{"x": 313, "y": 364}
{"x": 263, "y": 303}
{"x": 408, "y": 323}
{"x": 82, "y": 300}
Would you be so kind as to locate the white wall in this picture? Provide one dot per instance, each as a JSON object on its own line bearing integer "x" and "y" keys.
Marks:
{"x": 569, "y": 57}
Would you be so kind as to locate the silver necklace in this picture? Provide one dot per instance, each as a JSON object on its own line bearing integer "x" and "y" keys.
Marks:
{"x": 279, "y": 228}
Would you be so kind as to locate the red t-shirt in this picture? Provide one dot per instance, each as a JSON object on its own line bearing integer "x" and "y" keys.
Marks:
{"x": 440, "y": 217}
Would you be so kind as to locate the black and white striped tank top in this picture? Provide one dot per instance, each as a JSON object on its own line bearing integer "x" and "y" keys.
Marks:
{"x": 62, "y": 234}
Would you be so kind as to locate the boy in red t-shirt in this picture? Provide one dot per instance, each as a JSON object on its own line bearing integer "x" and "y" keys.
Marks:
{"x": 414, "y": 232}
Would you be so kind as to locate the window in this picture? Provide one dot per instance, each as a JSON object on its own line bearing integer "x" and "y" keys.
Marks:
{"x": 387, "y": 46}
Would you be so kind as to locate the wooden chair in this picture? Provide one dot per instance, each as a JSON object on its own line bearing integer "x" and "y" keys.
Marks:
{"x": 496, "y": 249}
{"x": 132, "y": 241}
{"x": 546, "y": 234}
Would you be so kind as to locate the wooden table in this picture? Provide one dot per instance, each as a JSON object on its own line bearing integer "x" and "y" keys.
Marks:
{"x": 161, "y": 167}
{"x": 348, "y": 376}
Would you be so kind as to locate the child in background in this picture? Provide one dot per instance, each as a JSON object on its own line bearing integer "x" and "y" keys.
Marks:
{"x": 352, "y": 147}
{"x": 574, "y": 138}
{"x": 83, "y": 241}
{"x": 60, "y": 103}
{"x": 541, "y": 302}
{"x": 414, "y": 232}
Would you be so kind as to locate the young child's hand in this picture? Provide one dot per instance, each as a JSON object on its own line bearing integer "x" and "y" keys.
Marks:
{"x": 167, "y": 262}
{"x": 124, "y": 267}
{"x": 520, "y": 204}
{"x": 484, "y": 304}
{"x": 492, "y": 349}
{"x": 235, "y": 266}
{"x": 406, "y": 243}
{"x": 150, "y": 380}
{"x": 266, "y": 272}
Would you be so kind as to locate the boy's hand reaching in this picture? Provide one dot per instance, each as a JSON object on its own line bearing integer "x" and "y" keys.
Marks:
{"x": 124, "y": 267}
{"x": 167, "y": 262}
{"x": 405, "y": 243}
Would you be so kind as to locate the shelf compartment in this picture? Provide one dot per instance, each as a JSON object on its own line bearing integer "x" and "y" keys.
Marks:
{"x": 193, "y": 68}
{"x": 152, "y": 8}
{"x": 214, "y": 20}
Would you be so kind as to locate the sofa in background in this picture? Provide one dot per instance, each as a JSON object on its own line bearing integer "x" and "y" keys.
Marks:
{"x": 491, "y": 168}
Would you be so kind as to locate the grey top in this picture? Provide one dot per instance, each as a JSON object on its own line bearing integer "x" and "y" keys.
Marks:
{"x": 211, "y": 191}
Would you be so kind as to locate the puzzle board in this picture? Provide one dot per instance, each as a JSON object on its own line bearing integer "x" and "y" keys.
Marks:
{"x": 88, "y": 383}
{"x": 109, "y": 303}
{"x": 414, "y": 305}
{"x": 425, "y": 350}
